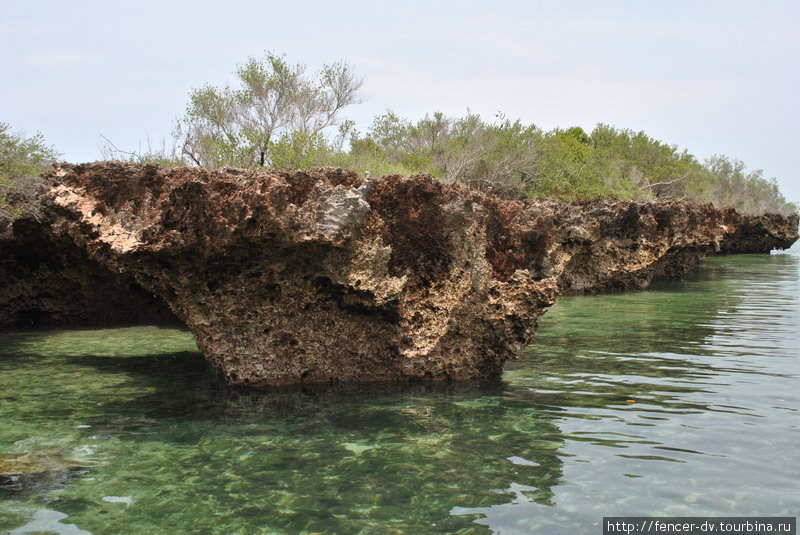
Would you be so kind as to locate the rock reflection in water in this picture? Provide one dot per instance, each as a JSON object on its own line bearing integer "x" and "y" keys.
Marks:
{"x": 659, "y": 402}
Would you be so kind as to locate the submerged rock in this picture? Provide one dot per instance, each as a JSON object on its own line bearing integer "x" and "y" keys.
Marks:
{"x": 36, "y": 468}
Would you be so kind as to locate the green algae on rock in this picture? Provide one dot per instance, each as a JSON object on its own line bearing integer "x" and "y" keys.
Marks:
{"x": 30, "y": 468}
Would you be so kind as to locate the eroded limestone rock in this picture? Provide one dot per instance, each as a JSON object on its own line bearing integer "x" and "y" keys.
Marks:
{"x": 317, "y": 276}
{"x": 309, "y": 276}
{"x": 48, "y": 280}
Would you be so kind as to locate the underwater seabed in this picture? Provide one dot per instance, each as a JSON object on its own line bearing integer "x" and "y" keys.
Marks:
{"x": 679, "y": 401}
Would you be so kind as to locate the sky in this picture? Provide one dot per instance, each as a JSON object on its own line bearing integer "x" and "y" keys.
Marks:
{"x": 713, "y": 77}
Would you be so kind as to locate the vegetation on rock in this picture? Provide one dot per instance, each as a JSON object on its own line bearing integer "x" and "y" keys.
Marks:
{"x": 280, "y": 117}
{"x": 22, "y": 161}
{"x": 274, "y": 118}
{"x": 513, "y": 160}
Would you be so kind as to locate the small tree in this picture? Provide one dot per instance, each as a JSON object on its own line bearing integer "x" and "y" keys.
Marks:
{"x": 22, "y": 161}
{"x": 275, "y": 105}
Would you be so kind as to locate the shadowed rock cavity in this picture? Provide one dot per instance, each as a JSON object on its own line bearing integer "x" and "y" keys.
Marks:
{"x": 48, "y": 281}
{"x": 317, "y": 276}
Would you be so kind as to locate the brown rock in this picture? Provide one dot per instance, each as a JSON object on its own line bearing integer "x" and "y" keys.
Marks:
{"x": 309, "y": 276}
{"x": 758, "y": 233}
{"x": 317, "y": 276}
{"x": 47, "y": 280}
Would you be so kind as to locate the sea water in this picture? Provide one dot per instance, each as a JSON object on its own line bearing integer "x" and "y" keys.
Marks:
{"x": 683, "y": 400}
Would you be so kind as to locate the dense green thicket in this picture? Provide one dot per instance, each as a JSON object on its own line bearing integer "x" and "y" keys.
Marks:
{"x": 517, "y": 160}
{"x": 22, "y": 161}
{"x": 277, "y": 116}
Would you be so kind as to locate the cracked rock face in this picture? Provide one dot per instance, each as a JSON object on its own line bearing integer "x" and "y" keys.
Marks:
{"x": 758, "y": 234}
{"x": 317, "y": 276}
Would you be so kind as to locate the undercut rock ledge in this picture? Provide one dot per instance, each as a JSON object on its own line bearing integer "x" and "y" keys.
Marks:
{"x": 318, "y": 276}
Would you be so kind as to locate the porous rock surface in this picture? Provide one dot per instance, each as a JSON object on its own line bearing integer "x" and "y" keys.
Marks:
{"x": 47, "y": 280}
{"x": 317, "y": 276}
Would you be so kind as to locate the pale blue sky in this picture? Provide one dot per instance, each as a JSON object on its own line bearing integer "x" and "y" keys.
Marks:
{"x": 715, "y": 77}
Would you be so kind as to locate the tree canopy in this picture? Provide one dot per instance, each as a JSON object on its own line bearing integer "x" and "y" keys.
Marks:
{"x": 513, "y": 159}
{"x": 22, "y": 161}
{"x": 275, "y": 116}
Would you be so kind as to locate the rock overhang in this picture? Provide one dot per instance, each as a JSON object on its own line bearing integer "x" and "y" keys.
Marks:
{"x": 319, "y": 276}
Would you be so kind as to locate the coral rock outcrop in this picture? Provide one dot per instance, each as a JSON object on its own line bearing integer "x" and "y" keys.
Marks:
{"x": 318, "y": 276}
{"x": 309, "y": 276}
{"x": 47, "y": 280}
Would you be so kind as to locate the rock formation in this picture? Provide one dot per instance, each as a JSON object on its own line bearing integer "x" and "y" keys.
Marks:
{"x": 317, "y": 276}
{"x": 758, "y": 234}
{"x": 40, "y": 467}
{"x": 602, "y": 245}
{"x": 48, "y": 280}
{"x": 309, "y": 276}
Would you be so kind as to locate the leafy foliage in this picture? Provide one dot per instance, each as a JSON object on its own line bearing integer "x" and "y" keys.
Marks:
{"x": 275, "y": 116}
{"x": 22, "y": 161}
{"x": 278, "y": 116}
{"x": 731, "y": 184}
{"x": 517, "y": 160}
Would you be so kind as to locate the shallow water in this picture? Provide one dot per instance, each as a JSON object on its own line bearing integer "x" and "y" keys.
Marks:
{"x": 679, "y": 401}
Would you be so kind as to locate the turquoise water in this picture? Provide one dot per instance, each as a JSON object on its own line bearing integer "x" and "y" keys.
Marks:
{"x": 680, "y": 401}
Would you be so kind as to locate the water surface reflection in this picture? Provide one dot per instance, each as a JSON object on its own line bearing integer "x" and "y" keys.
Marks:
{"x": 680, "y": 401}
